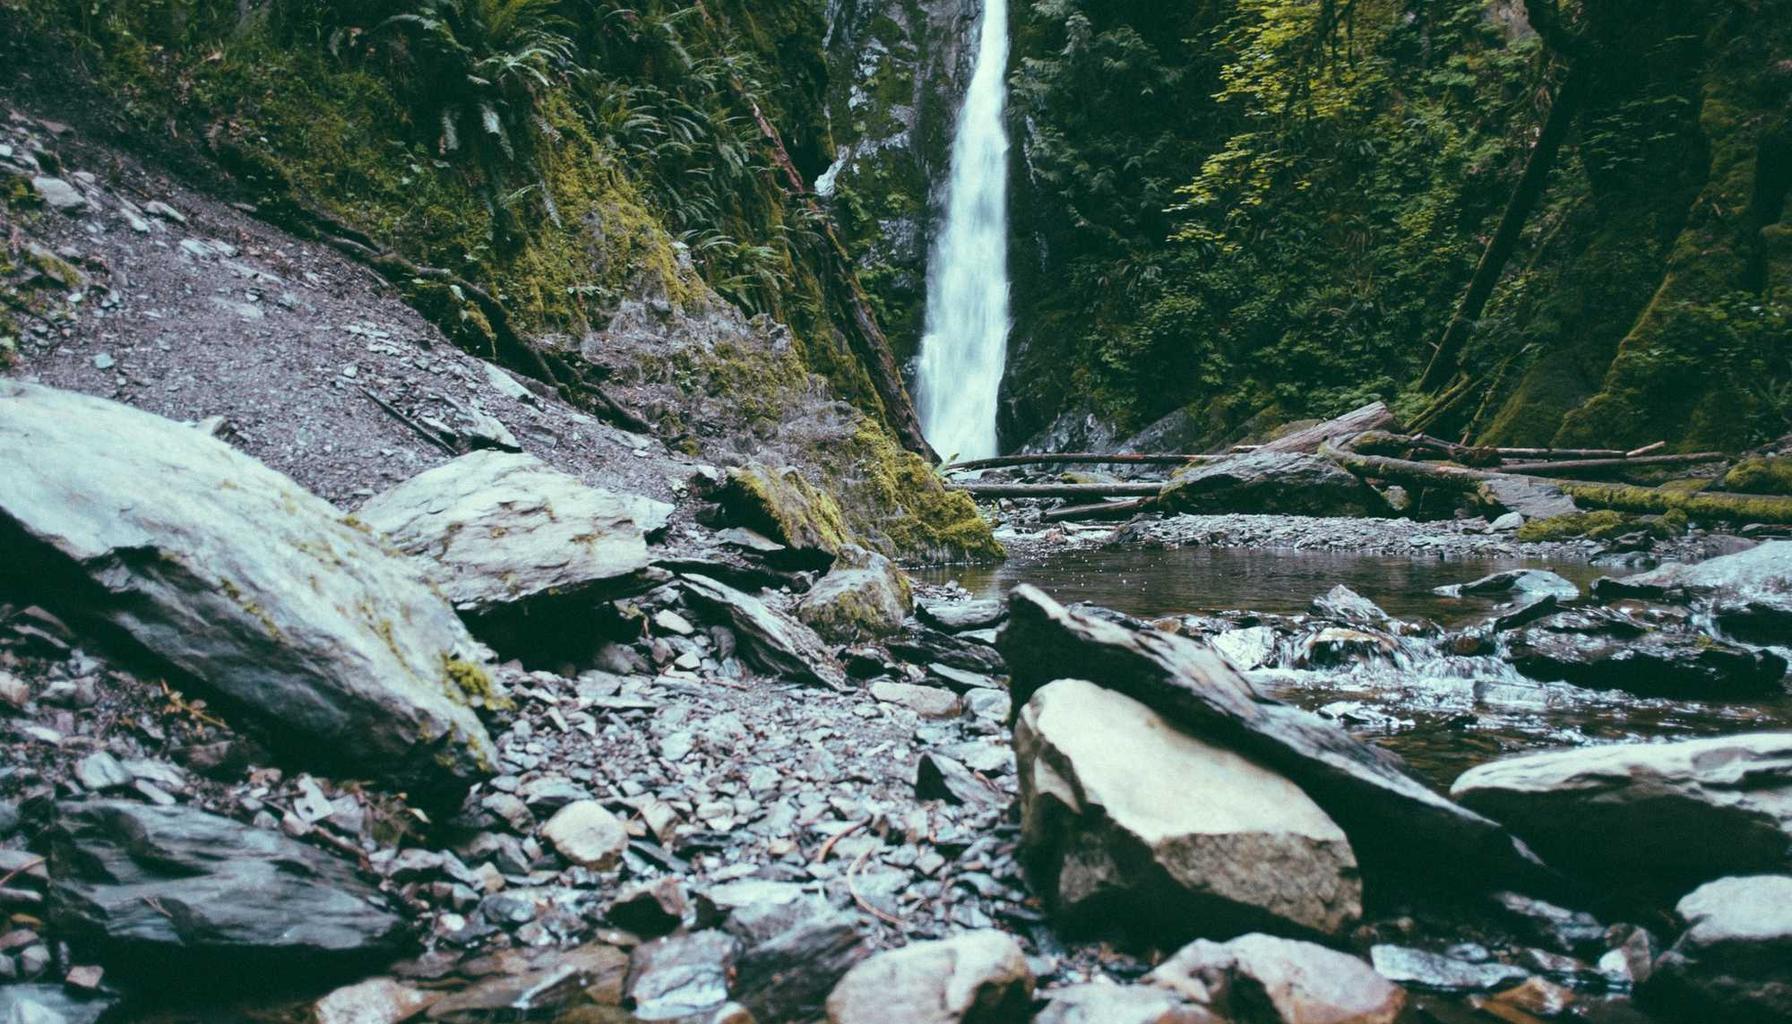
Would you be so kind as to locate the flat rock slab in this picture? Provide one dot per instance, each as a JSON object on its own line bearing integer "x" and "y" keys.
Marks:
{"x": 1749, "y": 592}
{"x": 1124, "y": 818}
{"x": 962, "y": 616}
{"x": 497, "y": 528}
{"x": 234, "y": 575}
{"x": 1670, "y": 812}
{"x": 1604, "y": 649}
{"x": 1395, "y": 823}
{"x": 150, "y": 889}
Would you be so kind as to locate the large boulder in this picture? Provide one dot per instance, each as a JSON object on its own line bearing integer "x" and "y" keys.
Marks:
{"x": 1749, "y": 593}
{"x": 496, "y": 528}
{"x": 1668, "y": 813}
{"x": 1604, "y": 649}
{"x": 852, "y": 605}
{"x": 1126, "y": 819}
{"x": 1269, "y": 979}
{"x": 168, "y": 894}
{"x": 1734, "y": 961}
{"x": 234, "y": 575}
{"x": 975, "y": 978}
{"x": 1394, "y": 822}
{"x": 771, "y": 640}
{"x": 783, "y": 505}
{"x": 1289, "y": 483}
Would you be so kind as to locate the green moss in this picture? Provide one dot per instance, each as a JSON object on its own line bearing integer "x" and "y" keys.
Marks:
{"x": 1761, "y": 475}
{"x": 469, "y": 683}
{"x": 1597, "y": 525}
{"x": 906, "y": 507}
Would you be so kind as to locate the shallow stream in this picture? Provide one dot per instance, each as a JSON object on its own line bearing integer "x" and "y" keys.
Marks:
{"x": 1444, "y": 713}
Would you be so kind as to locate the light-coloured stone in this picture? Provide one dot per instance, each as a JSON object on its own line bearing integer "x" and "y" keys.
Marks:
{"x": 1734, "y": 961}
{"x": 587, "y": 834}
{"x": 1303, "y": 983}
{"x": 927, "y": 701}
{"x": 978, "y": 976}
{"x": 374, "y": 1001}
{"x": 497, "y": 528}
{"x": 1125, "y": 818}
{"x": 852, "y": 605}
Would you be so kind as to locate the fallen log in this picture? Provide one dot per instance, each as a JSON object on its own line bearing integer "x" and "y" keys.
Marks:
{"x": 1100, "y": 510}
{"x": 1077, "y": 459}
{"x": 1145, "y": 490}
{"x": 1619, "y": 463}
{"x": 1381, "y": 442}
{"x": 1374, "y": 416}
{"x": 1736, "y": 508}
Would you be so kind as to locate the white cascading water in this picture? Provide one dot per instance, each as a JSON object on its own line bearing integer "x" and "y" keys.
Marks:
{"x": 966, "y": 341}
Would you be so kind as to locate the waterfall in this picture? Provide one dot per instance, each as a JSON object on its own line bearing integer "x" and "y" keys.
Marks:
{"x": 965, "y": 343}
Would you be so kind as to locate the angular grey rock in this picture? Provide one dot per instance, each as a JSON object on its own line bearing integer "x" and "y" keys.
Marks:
{"x": 681, "y": 975}
{"x": 1346, "y": 605}
{"x": 962, "y": 616}
{"x": 1126, "y": 819}
{"x": 1301, "y": 982}
{"x": 587, "y": 834}
{"x": 853, "y": 605}
{"x": 1285, "y": 483}
{"x": 498, "y": 528}
{"x": 1605, "y": 649}
{"x": 101, "y": 771}
{"x": 1734, "y": 961}
{"x": 928, "y": 701}
{"x": 788, "y": 975}
{"x": 1516, "y": 581}
{"x": 1528, "y": 496}
{"x": 59, "y": 194}
{"x": 1749, "y": 593}
{"x": 938, "y": 777}
{"x": 171, "y": 893}
{"x": 976, "y": 978}
{"x": 45, "y": 1003}
{"x": 1436, "y": 972}
{"x": 1672, "y": 813}
{"x": 232, "y": 574}
{"x": 1395, "y": 823}
{"x": 772, "y": 641}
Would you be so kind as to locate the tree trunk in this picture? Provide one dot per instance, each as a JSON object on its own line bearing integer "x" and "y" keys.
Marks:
{"x": 1447, "y": 360}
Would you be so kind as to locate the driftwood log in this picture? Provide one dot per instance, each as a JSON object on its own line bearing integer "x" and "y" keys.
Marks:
{"x": 1078, "y": 459}
{"x": 1100, "y": 510}
{"x": 1144, "y": 490}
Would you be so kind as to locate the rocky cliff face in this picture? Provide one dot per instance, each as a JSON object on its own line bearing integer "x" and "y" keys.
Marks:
{"x": 898, "y": 70}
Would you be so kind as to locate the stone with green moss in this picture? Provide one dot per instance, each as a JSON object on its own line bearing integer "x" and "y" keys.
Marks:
{"x": 1761, "y": 475}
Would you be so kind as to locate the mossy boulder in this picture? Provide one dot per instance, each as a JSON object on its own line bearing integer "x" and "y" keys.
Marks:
{"x": 1770, "y": 474}
{"x": 781, "y": 504}
{"x": 853, "y": 604}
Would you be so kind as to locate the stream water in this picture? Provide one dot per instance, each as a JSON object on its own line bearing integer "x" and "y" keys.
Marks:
{"x": 965, "y": 345}
{"x": 1443, "y": 712}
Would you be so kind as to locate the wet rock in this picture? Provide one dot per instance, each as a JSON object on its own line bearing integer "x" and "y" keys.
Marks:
{"x": 1567, "y": 931}
{"x": 1530, "y": 999}
{"x": 1334, "y": 646}
{"x": 1125, "y": 818}
{"x": 374, "y": 1001}
{"x": 168, "y": 893}
{"x": 681, "y": 975}
{"x": 976, "y": 978}
{"x": 1539, "y": 582}
{"x": 962, "y": 616}
{"x": 1734, "y": 961}
{"x": 1287, "y": 483}
{"x": 1393, "y": 821}
{"x": 587, "y": 834}
{"x": 232, "y": 574}
{"x": 50, "y": 1004}
{"x": 1607, "y": 650}
{"x": 1261, "y": 977}
{"x": 852, "y": 605}
{"x": 1346, "y": 605}
{"x": 1250, "y": 648}
{"x": 772, "y": 641}
{"x": 1435, "y": 972}
{"x": 1672, "y": 813}
{"x": 1749, "y": 593}
{"x": 497, "y": 528}
{"x": 1120, "y": 1004}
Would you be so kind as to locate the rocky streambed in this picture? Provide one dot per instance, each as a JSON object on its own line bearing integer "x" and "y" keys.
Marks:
{"x": 506, "y": 744}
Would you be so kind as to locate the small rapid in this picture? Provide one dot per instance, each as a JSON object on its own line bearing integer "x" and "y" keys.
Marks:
{"x": 964, "y": 348}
